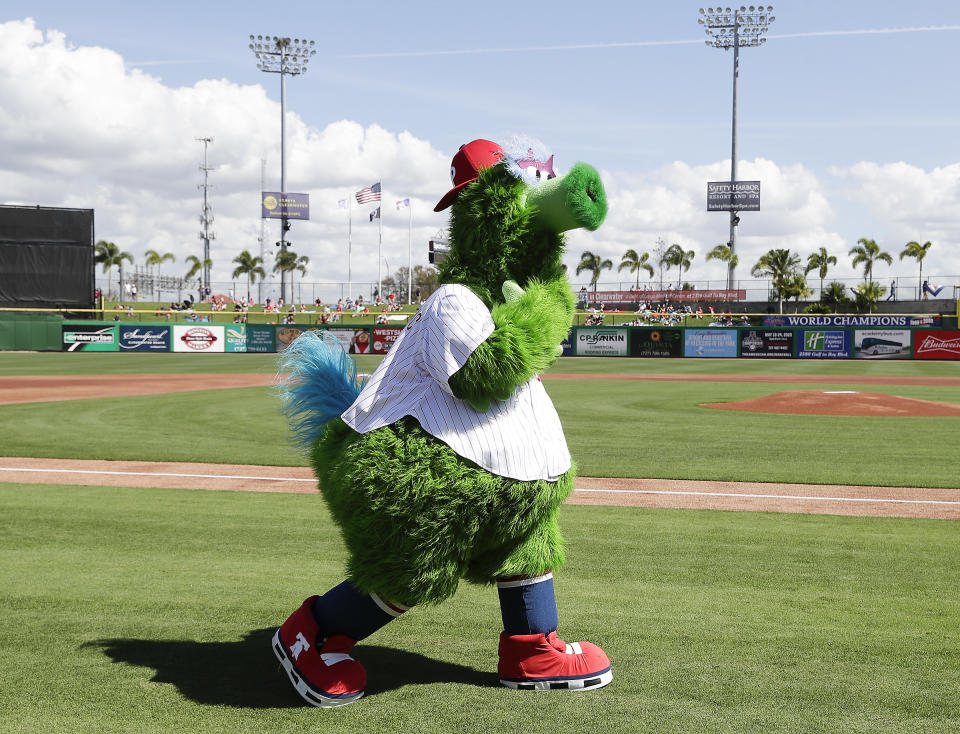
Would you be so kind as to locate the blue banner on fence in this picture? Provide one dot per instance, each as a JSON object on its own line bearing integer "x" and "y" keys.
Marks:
{"x": 141, "y": 338}
{"x": 835, "y": 320}
{"x": 824, "y": 345}
{"x": 710, "y": 343}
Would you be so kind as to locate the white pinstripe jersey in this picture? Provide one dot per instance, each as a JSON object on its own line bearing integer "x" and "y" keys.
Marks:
{"x": 520, "y": 438}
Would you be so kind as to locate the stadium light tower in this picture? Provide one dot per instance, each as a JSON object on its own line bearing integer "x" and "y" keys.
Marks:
{"x": 282, "y": 56}
{"x": 735, "y": 28}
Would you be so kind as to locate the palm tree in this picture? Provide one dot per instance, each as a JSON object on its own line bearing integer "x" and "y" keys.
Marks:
{"x": 795, "y": 286}
{"x": 109, "y": 255}
{"x": 867, "y": 296}
{"x": 250, "y": 266}
{"x": 196, "y": 266}
{"x": 723, "y": 254}
{"x": 917, "y": 252}
{"x": 867, "y": 252}
{"x": 835, "y": 296}
{"x": 155, "y": 258}
{"x": 595, "y": 264}
{"x": 819, "y": 261}
{"x": 301, "y": 265}
{"x": 779, "y": 265}
{"x": 286, "y": 262}
{"x": 636, "y": 262}
{"x": 676, "y": 255}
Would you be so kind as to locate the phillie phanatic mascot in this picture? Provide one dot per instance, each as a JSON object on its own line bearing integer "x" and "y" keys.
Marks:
{"x": 449, "y": 461}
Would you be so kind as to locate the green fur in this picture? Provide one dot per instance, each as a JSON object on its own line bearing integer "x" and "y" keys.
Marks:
{"x": 416, "y": 517}
{"x": 495, "y": 237}
{"x": 523, "y": 343}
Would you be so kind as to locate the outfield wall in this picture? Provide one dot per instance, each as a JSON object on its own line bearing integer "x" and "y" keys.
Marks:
{"x": 850, "y": 337}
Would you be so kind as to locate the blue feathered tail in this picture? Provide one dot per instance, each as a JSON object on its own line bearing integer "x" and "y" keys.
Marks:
{"x": 316, "y": 382}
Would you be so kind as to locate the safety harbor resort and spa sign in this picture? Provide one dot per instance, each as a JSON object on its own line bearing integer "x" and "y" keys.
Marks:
{"x": 736, "y": 196}
{"x": 602, "y": 342}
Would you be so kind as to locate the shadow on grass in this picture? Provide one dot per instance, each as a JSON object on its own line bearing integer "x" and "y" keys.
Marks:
{"x": 245, "y": 674}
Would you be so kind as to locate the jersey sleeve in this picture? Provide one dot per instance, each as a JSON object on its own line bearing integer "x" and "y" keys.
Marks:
{"x": 458, "y": 323}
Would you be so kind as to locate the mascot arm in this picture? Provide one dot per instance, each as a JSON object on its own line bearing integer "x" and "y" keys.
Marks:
{"x": 528, "y": 328}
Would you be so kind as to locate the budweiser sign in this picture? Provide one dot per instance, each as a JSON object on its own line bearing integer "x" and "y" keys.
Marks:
{"x": 936, "y": 344}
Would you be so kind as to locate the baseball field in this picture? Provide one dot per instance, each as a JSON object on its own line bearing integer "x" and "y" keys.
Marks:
{"x": 759, "y": 546}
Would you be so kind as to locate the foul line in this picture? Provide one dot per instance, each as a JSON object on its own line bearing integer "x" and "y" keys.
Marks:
{"x": 607, "y": 491}
{"x": 155, "y": 474}
{"x": 769, "y": 496}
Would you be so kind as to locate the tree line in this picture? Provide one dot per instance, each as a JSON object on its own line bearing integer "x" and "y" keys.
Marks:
{"x": 109, "y": 256}
{"x": 785, "y": 269}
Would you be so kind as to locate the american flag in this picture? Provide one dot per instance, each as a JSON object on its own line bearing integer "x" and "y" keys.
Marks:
{"x": 402, "y": 204}
{"x": 368, "y": 194}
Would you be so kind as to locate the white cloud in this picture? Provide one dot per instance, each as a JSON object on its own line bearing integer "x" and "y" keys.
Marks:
{"x": 83, "y": 131}
{"x": 79, "y": 128}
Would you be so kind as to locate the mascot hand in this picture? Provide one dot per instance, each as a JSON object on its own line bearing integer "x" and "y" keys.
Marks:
{"x": 529, "y": 326}
{"x": 511, "y": 291}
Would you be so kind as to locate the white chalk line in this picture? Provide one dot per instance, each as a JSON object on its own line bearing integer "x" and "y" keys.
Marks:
{"x": 770, "y": 496}
{"x": 155, "y": 474}
{"x": 578, "y": 489}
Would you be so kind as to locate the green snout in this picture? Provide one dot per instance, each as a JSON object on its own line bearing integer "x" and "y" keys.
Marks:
{"x": 572, "y": 201}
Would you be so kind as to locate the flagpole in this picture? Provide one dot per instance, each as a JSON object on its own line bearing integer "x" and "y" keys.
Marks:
{"x": 349, "y": 243}
{"x": 410, "y": 254}
{"x": 380, "y": 243}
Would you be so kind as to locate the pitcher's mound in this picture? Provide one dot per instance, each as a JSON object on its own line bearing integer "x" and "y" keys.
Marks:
{"x": 840, "y": 402}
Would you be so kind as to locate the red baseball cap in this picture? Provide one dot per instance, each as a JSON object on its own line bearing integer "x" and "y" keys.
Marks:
{"x": 466, "y": 165}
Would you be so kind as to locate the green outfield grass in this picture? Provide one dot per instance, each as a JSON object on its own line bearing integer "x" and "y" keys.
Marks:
{"x": 653, "y": 429}
{"x": 141, "y": 610}
{"x": 89, "y": 363}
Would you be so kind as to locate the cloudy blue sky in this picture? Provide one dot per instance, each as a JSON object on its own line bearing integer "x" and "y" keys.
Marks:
{"x": 848, "y": 116}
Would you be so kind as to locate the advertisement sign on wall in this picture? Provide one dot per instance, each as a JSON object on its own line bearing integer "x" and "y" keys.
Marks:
{"x": 261, "y": 338}
{"x": 710, "y": 343}
{"x": 384, "y": 337}
{"x": 602, "y": 342}
{"x": 236, "y": 338}
{"x": 870, "y": 321}
{"x": 286, "y": 335}
{"x": 353, "y": 341}
{"x": 824, "y": 345}
{"x": 141, "y": 338}
{"x": 197, "y": 339}
{"x": 881, "y": 344}
{"x": 89, "y": 338}
{"x": 766, "y": 344}
{"x": 656, "y": 343}
{"x": 941, "y": 344}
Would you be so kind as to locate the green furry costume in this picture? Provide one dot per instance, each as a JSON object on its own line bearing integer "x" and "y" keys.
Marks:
{"x": 416, "y": 516}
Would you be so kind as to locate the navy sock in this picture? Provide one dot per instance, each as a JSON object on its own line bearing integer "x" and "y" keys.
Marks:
{"x": 528, "y": 605}
{"x": 345, "y": 610}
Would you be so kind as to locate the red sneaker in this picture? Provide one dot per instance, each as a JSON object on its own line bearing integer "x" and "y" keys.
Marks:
{"x": 544, "y": 663}
{"x": 320, "y": 669}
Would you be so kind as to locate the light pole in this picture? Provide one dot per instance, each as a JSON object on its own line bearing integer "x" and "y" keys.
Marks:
{"x": 282, "y": 56}
{"x": 733, "y": 28}
{"x": 206, "y": 218}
